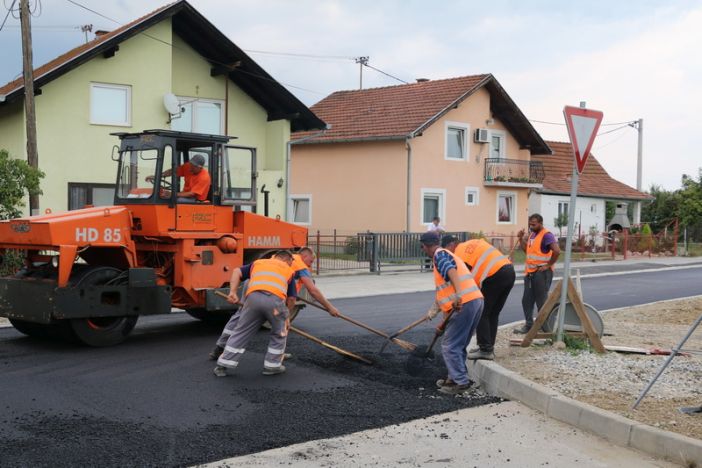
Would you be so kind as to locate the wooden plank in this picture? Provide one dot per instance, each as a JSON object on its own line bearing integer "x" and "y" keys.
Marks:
{"x": 584, "y": 318}
{"x": 544, "y": 312}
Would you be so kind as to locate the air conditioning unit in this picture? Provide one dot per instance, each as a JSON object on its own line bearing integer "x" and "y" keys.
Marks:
{"x": 482, "y": 135}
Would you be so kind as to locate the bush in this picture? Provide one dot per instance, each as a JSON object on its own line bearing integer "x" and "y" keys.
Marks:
{"x": 18, "y": 179}
{"x": 12, "y": 261}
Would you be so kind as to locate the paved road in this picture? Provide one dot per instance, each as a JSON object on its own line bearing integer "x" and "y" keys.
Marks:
{"x": 602, "y": 292}
{"x": 153, "y": 401}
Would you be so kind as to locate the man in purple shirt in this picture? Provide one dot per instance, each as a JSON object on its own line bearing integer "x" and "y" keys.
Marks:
{"x": 539, "y": 273}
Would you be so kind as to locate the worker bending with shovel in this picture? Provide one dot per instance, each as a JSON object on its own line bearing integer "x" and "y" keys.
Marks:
{"x": 302, "y": 261}
{"x": 495, "y": 276}
{"x": 269, "y": 296}
{"x": 460, "y": 299}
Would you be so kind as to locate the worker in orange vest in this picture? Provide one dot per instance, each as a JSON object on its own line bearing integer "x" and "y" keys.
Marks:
{"x": 542, "y": 252}
{"x": 494, "y": 273}
{"x": 302, "y": 261}
{"x": 455, "y": 290}
{"x": 270, "y": 296}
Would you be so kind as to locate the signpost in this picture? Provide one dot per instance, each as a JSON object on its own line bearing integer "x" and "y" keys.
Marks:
{"x": 582, "y": 126}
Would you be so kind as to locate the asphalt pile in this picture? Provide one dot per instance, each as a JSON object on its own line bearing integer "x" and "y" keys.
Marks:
{"x": 206, "y": 418}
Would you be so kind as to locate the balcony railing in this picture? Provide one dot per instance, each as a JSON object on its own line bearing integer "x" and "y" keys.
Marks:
{"x": 513, "y": 172}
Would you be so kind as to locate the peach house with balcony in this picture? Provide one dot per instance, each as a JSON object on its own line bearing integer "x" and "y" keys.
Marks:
{"x": 396, "y": 157}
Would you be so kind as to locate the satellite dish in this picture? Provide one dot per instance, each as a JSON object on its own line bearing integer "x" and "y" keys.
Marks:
{"x": 170, "y": 102}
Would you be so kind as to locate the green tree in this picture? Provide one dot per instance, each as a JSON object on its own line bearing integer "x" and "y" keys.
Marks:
{"x": 661, "y": 210}
{"x": 690, "y": 204}
{"x": 560, "y": 222}
{"x": 18, "y": 180}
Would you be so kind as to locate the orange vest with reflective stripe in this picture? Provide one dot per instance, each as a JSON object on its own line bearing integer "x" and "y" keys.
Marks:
{"x": 298, "y": 265}
{"x": 271, "y": 275}
{"x": 445, "y": 292}
{"x": 534, "y": 256}
{"x": 484, "y": 259}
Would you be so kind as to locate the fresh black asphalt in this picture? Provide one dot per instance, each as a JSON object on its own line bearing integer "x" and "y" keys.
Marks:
{"x": 153, "y": 400}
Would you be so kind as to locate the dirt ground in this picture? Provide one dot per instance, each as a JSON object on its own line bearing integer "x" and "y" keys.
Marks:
{"x": 614, "y": 381}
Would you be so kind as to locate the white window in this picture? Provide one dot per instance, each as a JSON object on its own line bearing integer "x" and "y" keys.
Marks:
{"x": 110, "y": 104}
{"x": 301, "y": 209}
{"x": 506, "y": 208}
{"x": 562, "y": 209}
{"x": 472, "y": 196}
{"x": 200, "y": 116}
{"x": 497, "y": 144}
{"x": 433, "y": 205}
{"x": 456, "y": 147}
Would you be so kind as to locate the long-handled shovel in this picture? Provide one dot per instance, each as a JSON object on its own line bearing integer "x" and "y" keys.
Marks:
{"x": 304, "y": 334}
{"x": 417, "y": 361}
{"x": 406, "y": 345}
{"x": 343, "y": 352}
{"x": 403, "y": 330}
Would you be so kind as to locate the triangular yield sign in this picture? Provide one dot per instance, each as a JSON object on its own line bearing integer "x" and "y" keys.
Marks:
{"x": 582, "y": 128}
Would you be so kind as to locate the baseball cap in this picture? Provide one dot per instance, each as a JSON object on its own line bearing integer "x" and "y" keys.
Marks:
{"x": 429, "y": 238}
{"x": 197, "y": 160}
{"x": 446, "y": 240}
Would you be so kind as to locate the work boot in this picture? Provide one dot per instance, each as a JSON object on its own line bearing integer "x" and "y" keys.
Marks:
{"x": 453, "y": 388}
{"x": 220, "y": 371}
{"x": 216, "y": 353}
{"x": 478, "y": 353}
{"x": 287, "y": 356}
{"x": 273, "y": 370}
{"x": 523, "y": 330}
{"x": 441, "y": 382}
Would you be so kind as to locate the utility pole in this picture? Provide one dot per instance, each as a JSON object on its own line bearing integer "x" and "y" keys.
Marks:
{"x": 28, "y": 72}
{"x": 638, "y": 125}
{"x": 361, "y": 61}
{"x": 86, "y": 28}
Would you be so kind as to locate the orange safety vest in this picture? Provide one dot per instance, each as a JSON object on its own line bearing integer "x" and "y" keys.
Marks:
{"x": 484, "y": 259}
{"x": 271, "y": 275}
{"x": 445, "y": 292}
{"x": 298, "y": 265}
{"x": 535, "y": 258}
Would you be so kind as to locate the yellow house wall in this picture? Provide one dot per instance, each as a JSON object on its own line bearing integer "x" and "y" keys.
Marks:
{"x": 245, "y": 119}
{"x": 12, "y": 129}
{"x": 71, "y": 149}
{"x": 355, "y": 186}
{"x": 362, "y": 186}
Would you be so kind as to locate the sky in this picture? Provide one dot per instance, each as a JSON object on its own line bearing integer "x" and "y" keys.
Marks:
{"x": 631, "y": 60}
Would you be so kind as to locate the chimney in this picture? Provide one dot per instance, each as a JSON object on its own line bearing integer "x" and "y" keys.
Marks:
{"x": 101, "y": 32}
{"x": 422, "y": 80}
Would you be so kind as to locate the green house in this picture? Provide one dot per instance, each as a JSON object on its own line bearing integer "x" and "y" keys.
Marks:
{"x": 118, "y": 82}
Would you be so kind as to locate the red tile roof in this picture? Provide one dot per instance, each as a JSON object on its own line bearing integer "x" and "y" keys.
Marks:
{"x": 593, "y": 182}
{"x": 389, "y": 112}
{"x": 77, "y": 52}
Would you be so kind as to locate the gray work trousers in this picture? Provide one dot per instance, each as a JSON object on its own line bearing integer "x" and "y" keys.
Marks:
{"x": 258, "y": 307}
{"x": 536, "y": 286}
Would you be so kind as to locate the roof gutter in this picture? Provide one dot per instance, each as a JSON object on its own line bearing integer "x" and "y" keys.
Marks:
{"x": 288, "y": 160}
{"x": 304, "y": 141}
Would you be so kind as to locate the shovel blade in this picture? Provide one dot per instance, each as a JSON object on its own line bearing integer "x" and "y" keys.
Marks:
{"x": 419, "y": 361}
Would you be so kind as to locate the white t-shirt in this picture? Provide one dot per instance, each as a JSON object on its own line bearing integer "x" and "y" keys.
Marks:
{"x": 435, "y": 227}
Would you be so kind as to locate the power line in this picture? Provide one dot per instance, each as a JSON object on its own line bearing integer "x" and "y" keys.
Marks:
{"x": 292, "y": 54}
{"x": 384, "y": 73}
{"x": 9, "y": 10}
{"x": 601, "y": 125}
{"x": 93, "y": 11}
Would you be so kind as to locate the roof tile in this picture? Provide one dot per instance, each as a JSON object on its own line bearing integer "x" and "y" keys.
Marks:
{"x": 392, "y": 111}
{"x": 593, "y": 182}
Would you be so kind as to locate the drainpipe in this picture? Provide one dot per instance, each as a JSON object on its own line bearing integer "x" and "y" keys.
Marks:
{"x": 409, "y": 182}
{"x": 287, "y": 166}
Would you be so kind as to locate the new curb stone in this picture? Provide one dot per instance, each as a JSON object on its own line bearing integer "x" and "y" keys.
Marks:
{"x": 617, "y": 429}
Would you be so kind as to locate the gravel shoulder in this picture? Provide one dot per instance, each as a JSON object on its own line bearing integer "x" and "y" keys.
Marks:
{"x": 613, "y": 381}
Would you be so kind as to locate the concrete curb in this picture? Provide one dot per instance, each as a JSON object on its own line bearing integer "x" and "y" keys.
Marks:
{"x": 498, "y": 381}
